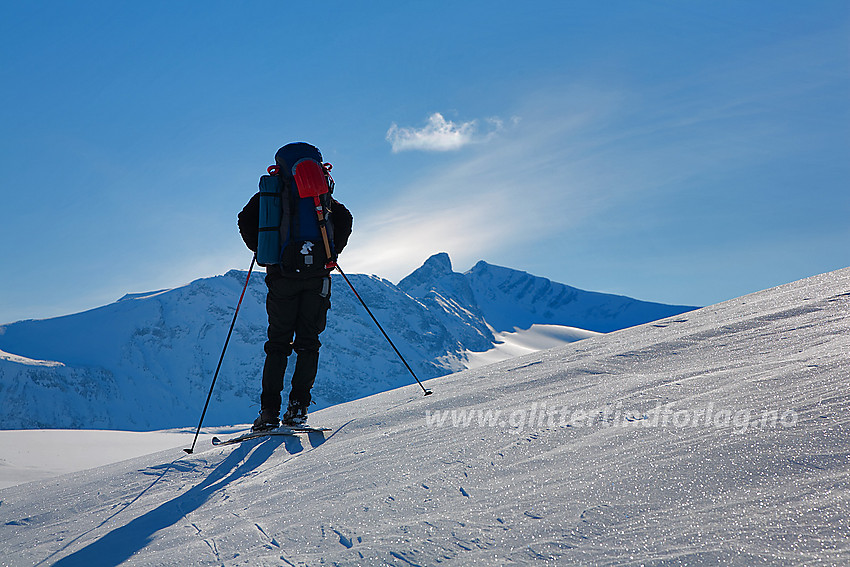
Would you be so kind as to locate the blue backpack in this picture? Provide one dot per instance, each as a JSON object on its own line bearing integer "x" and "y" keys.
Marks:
{"x": 296, "y": 225}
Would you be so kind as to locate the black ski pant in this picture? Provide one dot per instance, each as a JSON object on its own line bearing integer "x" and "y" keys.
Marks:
{"x": 297, "y": 310}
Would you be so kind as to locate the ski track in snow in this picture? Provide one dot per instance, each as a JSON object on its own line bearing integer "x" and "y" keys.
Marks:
{"x": 611, "y": 488}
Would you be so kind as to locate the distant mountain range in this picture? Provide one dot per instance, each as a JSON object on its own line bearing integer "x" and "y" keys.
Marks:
{"x": 146, "y": 361}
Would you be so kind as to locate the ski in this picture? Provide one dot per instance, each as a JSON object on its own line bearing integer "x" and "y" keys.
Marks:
{"x": 282, "y": 430}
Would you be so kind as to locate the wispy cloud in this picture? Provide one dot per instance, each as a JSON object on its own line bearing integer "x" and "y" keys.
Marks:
{"x": 598, "y": 169}
{"x": 499, "y": 196}
{"x": 440, "y": 135}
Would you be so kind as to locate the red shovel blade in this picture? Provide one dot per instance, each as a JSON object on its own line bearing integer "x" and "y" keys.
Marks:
{"x": 310, "y": 179}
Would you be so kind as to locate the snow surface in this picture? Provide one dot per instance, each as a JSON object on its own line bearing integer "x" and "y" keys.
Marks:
{"x": 526, "y": 341}
{"x": 24, "y": 361}
{"x": 37, "y": 454}
{"x": 715, "y": 437}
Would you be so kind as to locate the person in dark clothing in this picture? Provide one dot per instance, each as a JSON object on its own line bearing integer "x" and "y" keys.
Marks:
{"x": 297, "y": 307}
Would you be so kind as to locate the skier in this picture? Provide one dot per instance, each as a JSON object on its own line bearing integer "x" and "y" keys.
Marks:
{"x": 297, "y": 303}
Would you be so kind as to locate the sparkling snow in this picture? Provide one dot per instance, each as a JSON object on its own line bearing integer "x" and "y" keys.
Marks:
{"x": 719, "y": 436}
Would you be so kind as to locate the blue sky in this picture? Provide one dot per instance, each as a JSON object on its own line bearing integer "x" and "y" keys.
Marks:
{"x": 683, "y": 152}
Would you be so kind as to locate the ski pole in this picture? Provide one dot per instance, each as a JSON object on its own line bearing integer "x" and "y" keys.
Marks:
{"x": 215, "y": 376}
{"x": 427, "y": 392}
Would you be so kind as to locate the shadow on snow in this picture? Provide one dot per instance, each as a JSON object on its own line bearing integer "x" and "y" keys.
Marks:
{"x": 122, "y": 543}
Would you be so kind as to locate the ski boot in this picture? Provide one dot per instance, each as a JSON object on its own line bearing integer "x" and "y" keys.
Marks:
{"x": 267, "y": 420}
{"x": 296, "y": 415}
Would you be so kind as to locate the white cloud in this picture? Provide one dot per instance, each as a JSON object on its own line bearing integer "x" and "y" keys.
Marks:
{"x": 439, "y": 134}
{"x": 499, "y": 196}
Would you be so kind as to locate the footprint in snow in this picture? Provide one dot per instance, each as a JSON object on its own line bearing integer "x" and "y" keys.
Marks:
{"x": 343, "y": 540}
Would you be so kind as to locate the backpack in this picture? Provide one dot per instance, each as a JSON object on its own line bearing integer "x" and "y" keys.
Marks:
{"x": 296, "y": 226}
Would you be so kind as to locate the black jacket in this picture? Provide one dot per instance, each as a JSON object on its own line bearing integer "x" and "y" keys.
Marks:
{"x": 249, "y": 222}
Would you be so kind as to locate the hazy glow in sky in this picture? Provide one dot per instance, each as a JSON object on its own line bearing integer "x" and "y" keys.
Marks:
{"x": 685, "y": 152}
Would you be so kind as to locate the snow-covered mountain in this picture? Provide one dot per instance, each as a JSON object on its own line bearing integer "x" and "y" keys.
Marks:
{"x": 718, "y": 437}
{"x": 146, "y": 361}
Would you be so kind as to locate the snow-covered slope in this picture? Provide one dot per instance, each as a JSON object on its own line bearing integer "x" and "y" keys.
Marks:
{"x": 38, "y": 454}
{"x": 509, "y": 299}
{"x": 146, "y": 361}
{"x": 721, "y": 436}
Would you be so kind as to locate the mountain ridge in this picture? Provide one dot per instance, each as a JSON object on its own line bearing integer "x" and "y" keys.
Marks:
{"x": 487, "y": 286}
{"x": 146, "y": 360}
